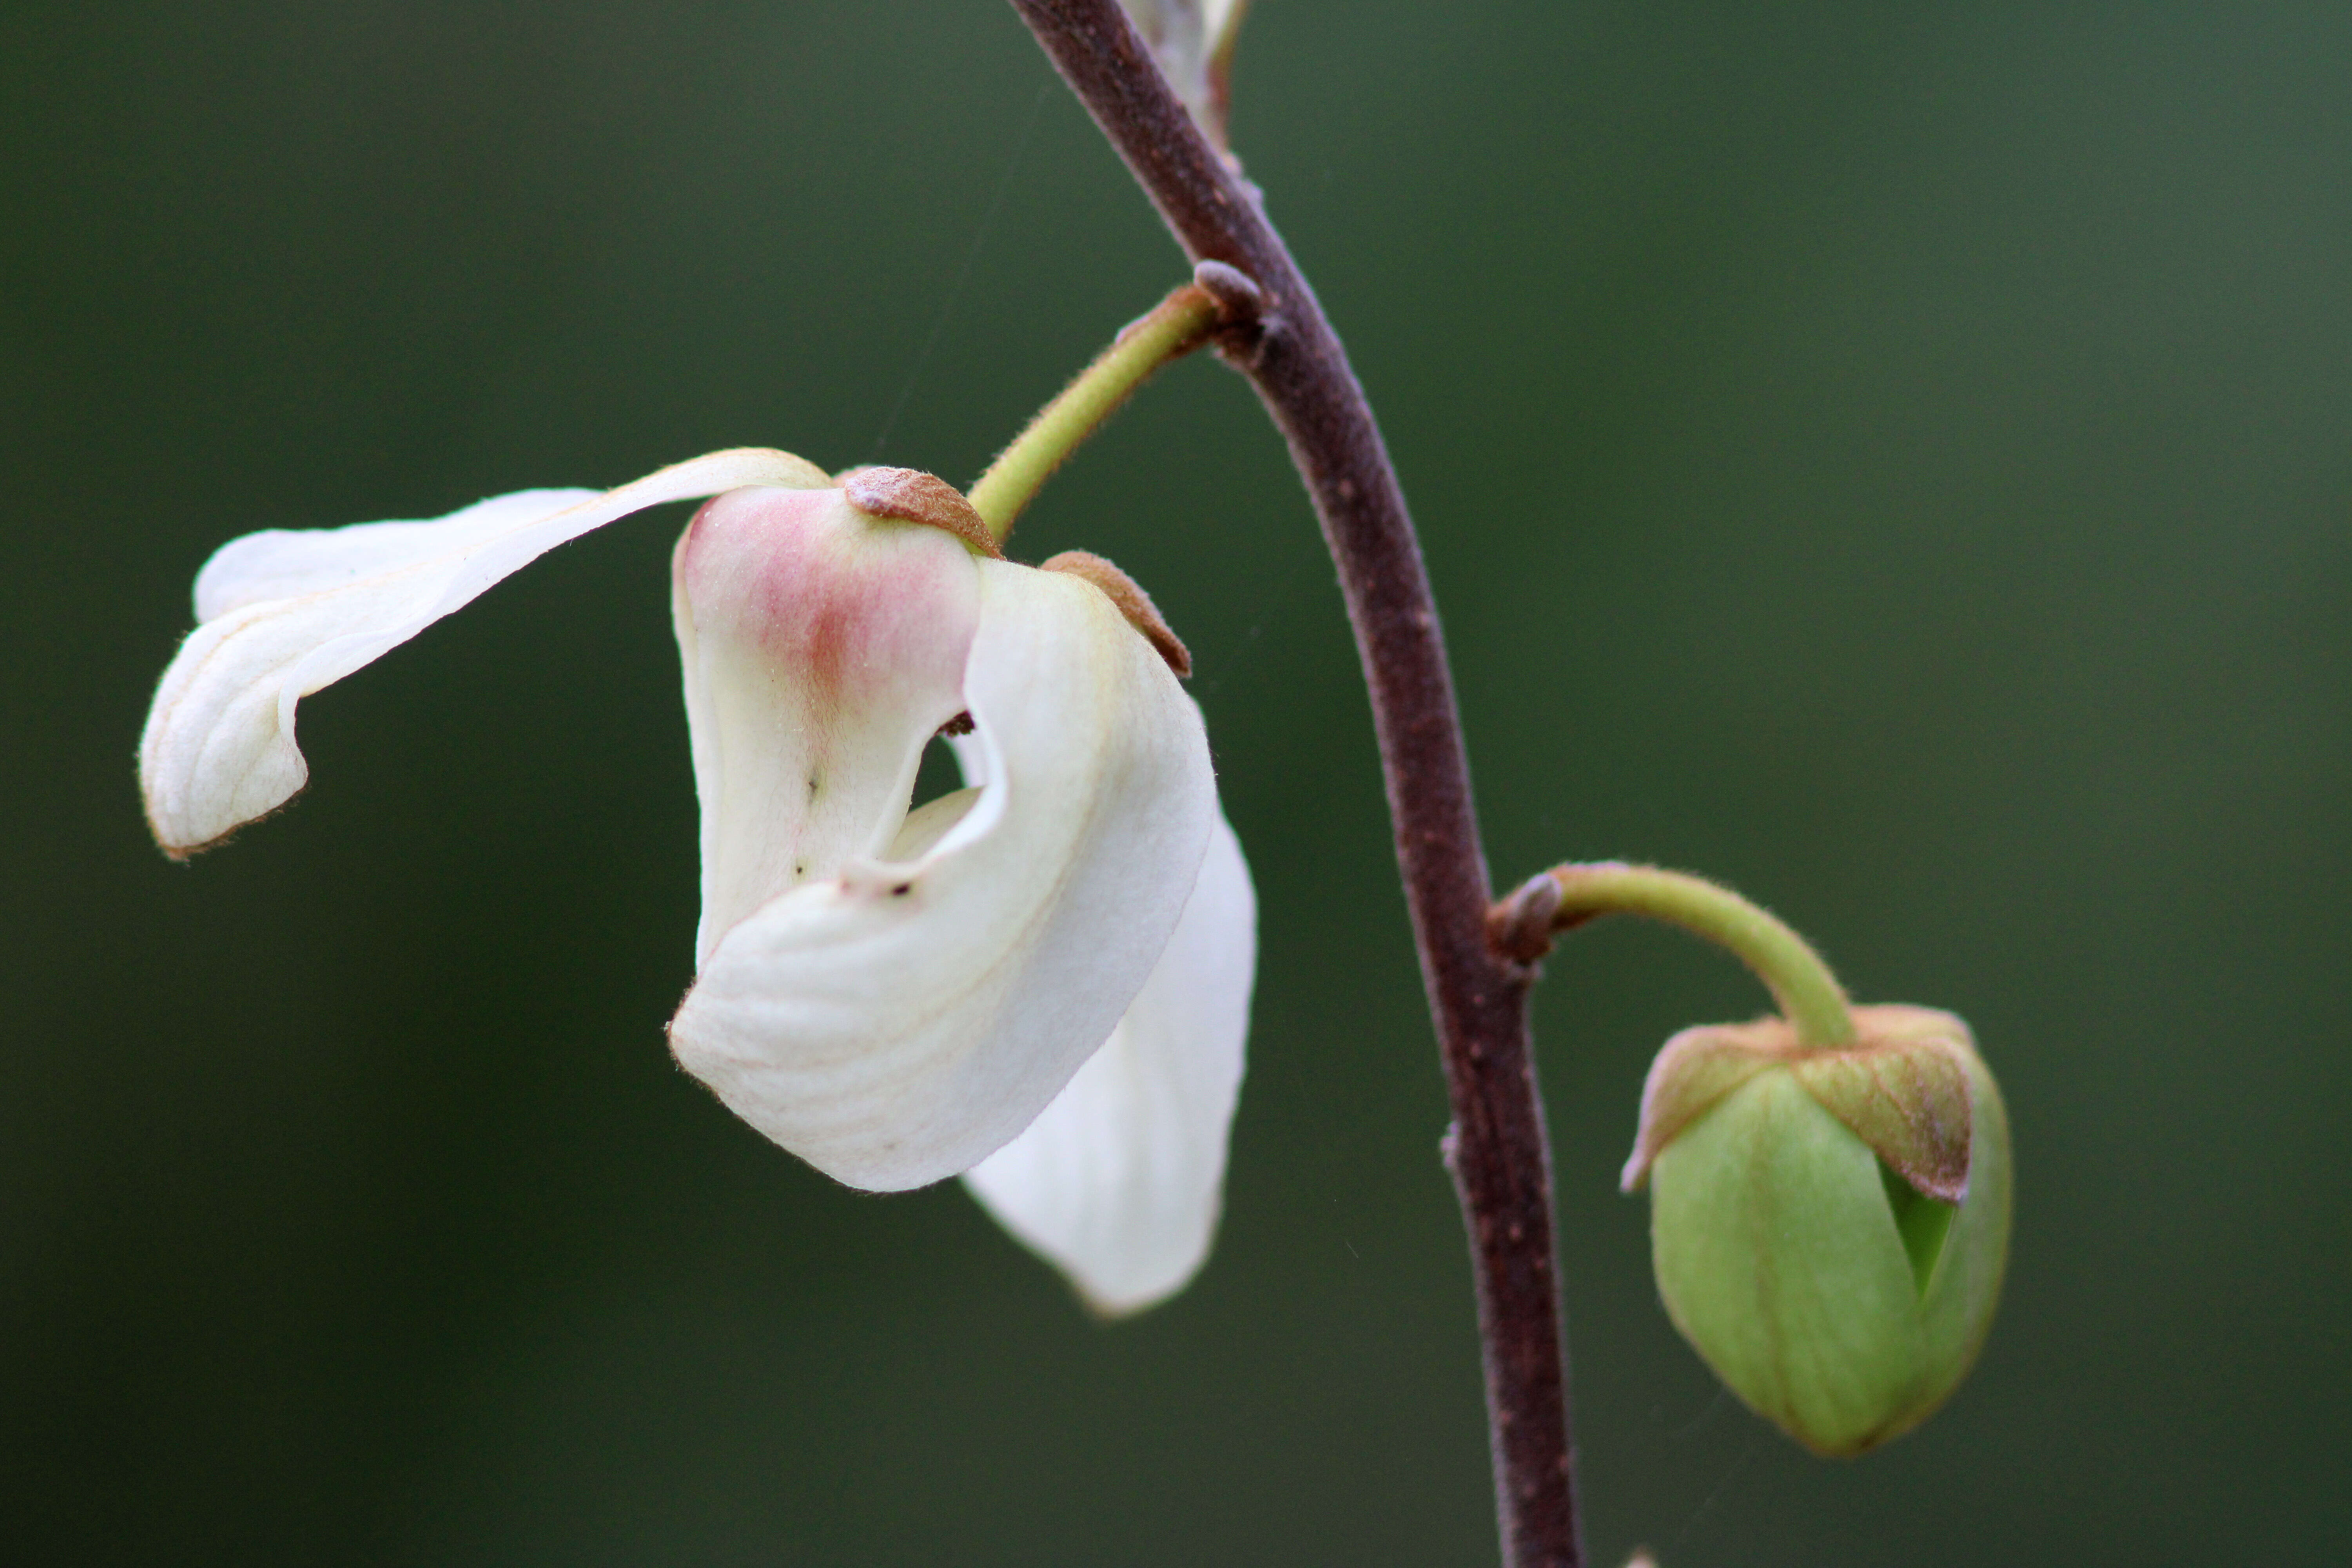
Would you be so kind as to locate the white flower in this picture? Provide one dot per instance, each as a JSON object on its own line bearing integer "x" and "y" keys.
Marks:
{"x": 1042, "y": 979}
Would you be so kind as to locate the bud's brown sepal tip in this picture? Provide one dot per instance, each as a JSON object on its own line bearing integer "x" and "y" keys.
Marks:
{"x": 1830, "y": 1227}
{"x": 1695, "y": 1071}
{"x": 1902, "y": 1088}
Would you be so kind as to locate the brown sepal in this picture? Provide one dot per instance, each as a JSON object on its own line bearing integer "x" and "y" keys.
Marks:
{"x": 912, "y": 495}
{"x": 1133, "y": 603}
{"x": 1692, "y": 1075}
{"x": 1902, "y": 1088}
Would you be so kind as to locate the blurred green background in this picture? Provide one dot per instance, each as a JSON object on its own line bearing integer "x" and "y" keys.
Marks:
{"x": 1895, "y": 457}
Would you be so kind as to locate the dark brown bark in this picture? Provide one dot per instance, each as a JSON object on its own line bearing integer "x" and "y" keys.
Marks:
{"x": 1496, "y": 1150}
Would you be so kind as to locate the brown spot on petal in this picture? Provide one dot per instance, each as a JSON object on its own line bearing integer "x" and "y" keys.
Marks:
{"x": 1124, "y": 592}
{"x": 909, "y": 495}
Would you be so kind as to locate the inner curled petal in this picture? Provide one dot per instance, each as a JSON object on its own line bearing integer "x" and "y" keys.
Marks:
{"x": 901, "y": 1020}
{"x": 823, "y": 648}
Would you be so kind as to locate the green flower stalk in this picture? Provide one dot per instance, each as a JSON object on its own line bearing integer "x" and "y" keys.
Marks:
{"x": 1829, "y": 1190}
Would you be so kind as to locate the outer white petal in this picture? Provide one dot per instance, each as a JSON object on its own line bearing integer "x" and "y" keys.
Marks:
{"x": 286, "y": 613}
{"x": 1118, "y": 1182}
{"x": 900, "y": 1022}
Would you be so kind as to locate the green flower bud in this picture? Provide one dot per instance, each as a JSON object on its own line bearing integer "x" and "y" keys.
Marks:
{"x": 1828, "y": 1226}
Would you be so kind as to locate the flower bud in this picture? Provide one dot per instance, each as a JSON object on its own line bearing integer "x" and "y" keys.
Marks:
{"x": 1828, "y": 1226}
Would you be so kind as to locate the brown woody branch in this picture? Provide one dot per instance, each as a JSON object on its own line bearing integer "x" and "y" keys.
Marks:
{"x": 1477, "y": 997}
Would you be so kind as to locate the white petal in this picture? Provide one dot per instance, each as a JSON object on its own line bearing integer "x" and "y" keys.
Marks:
{"x": 822, "y": 647}
{"x": 1189, "y": 39}
{"x": 901, "y": 1021}
{"x": 286, "y": 613}
{"x": 1118, "y": 1182}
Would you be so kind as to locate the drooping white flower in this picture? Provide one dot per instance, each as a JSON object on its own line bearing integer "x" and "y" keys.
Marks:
{"x": 1047, "y": 971}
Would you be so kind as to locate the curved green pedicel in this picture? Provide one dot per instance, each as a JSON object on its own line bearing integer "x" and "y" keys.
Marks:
{"x": 1809, "y": 995}
{"x": 1178, "y": 325}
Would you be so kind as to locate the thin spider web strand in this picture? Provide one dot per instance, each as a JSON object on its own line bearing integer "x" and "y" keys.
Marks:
{"x": 963, "y": 273}
{"x": 1747, "y": 1452}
